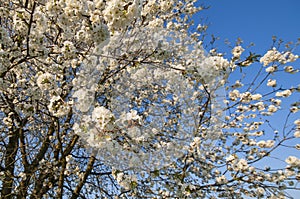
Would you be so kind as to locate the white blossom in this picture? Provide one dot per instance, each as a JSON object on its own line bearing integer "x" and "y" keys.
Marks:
{"x": 234, "y": 95}
{"x": 272, "y": 82}
{"x": 45, "y": 81}
{"x": 256, "y": 97}
{"x": 276, "y": 102}
{"x": 297, "y": 134}
{"x": 221, "y": 179}
{"x": 285, "y": 93}
{"x": 288, "y": 69}
{"x": 237, "y": 51}
{"x": 294, "y": 109}
{"x": 242, "y": 165}
{"x": 291, "y": 57}
{"x": 271, "y": 69}
{"x": 261, "y": 144}
{"x": 293, "y": 161}
{"x": 230, "y": 158}
{"x": 7, "y": 121}
{"x": 58, "y": 107}
{"x": 272, "y": 108}
{"x": 272, "y": 56}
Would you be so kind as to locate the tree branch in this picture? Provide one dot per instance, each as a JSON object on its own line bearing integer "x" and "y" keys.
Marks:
{"x": 88, "y": 170}
{"x": 10, "y": 155}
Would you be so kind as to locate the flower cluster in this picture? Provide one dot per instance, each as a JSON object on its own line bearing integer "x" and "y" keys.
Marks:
{"x": 237, "y": 52}
{"x": 120, "y": 13}
{"x": 272, "y": 56}
{"x": 58, "y": 107}
{"x": 45, "y": 81}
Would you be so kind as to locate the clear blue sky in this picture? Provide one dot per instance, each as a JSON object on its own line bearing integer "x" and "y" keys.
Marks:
{"x": 255, "y": 21}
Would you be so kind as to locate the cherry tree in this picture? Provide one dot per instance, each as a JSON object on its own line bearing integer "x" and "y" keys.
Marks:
{"x": 120, "y": 99}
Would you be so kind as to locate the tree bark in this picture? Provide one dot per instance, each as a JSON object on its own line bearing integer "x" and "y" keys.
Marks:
{"x": 10, "y": 155}
{"x": 88, "y": 170}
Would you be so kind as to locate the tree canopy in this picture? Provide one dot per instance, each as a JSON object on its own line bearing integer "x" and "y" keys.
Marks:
{"x": 124, "y": 99}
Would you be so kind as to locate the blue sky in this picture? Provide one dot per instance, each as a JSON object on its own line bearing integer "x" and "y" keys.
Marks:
{"x": 255, "y": 21}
